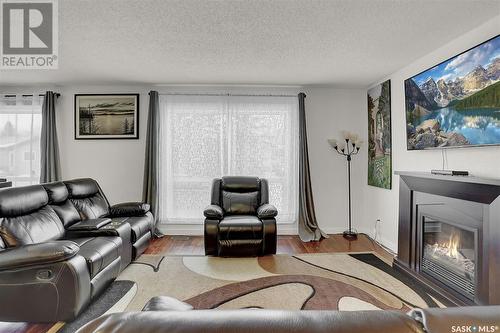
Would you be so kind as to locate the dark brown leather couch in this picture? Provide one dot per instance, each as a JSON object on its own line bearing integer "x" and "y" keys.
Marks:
{"x": 163, "y": 314}
{"x": 239, "y": 220}
{"x": 61, "y": 244}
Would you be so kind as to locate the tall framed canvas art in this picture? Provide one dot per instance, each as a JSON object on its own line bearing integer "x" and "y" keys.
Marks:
{"x": 100, "y": 116}
{"x": 379, "y": 136}
{"x": 456, "y": 103}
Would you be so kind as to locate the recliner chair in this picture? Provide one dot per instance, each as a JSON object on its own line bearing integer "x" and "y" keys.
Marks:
{"x": 240, "y": 221}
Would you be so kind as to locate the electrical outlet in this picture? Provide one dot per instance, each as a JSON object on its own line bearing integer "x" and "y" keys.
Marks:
{"x": 376, "y": 229}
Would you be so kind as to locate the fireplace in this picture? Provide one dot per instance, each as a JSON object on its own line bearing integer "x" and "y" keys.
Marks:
{"x": 449, "y": 235}
{"x": 449, "y": 255}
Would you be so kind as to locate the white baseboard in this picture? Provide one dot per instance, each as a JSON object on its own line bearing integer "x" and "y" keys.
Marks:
{"x": 182, "y": 229}
{"x": 388, "y": 244}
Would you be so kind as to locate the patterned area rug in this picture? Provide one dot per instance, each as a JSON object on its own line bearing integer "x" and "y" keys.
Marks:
{"x": 340, "y": 281}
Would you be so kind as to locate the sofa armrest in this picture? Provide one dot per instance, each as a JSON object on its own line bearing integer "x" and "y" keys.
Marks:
{"x": 267, "y": 211}
{"x": 89, "y": 225}
{"x": 128, "y": 209}
{"x": 37, "y": 254}
{"x": 214, "y": 212}
{"x": 436, "y": 320}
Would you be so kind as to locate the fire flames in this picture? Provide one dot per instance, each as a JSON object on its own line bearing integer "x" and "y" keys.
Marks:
{"x": 451, "y": 254}
{"x": 450, "y": 248}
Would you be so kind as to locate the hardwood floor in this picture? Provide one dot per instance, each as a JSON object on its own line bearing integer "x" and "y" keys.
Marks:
{"x": 193, "y": 245}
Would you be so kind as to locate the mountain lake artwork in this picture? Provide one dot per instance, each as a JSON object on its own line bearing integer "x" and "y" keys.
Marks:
{"x": 107, "y": 116}
{"x": 456, "y": 103}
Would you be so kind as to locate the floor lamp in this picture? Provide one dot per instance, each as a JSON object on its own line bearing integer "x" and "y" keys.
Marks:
{"x": 348, "y": 147}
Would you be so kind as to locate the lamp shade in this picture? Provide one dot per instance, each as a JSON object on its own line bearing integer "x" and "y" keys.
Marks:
{"x": 333, "y": 143}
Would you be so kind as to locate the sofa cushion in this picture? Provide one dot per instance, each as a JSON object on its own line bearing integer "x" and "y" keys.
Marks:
{"x": 140, "y": 225}
{"x": 57, "y": 192}
{"x": 82, "y": 188}
{"x": 91, "y": 208}
{"x": 58, "y": 199}
{"x": 235, "y": 203}
{"x": 99, "y": 252}
{"x": 88, "y": 198}
{"x": 240, "y": 184}
{"x": 129, "y": 209}
{"x": 67, "y": 213}
{"x": 240, "y": 227}
{"x": 17, "y": 201}
{"x": 40, "y": 226}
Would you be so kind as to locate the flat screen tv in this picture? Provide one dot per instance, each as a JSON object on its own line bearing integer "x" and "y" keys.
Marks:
{"x": 457, "y": 102}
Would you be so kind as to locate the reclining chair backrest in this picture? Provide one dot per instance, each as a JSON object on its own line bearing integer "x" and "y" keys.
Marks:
{"x": 26, "y": 217}
{"x": 88, "y": 198}
{"x": 59, "y": 201}
{"x": 240, "y": 195}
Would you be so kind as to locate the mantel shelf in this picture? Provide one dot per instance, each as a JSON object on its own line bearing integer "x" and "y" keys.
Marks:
{"x": 463, "y": 179}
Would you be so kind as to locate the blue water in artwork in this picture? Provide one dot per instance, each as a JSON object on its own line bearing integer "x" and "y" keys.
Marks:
{"x": 480, "y": 126}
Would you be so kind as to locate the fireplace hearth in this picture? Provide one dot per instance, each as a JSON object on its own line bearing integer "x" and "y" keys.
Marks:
{"x": 449, "y": 235}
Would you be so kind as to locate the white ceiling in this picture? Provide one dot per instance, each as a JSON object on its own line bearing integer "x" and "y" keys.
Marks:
{"x": 338, "y": 42}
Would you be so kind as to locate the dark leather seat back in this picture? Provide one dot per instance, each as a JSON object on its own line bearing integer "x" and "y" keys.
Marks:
{"x": 88, "y": 198}
{"x": 59, "y": 201}
{"x": 255, "y": 320}
{"x": 242, "y": 195}
{"x": 26, "y": 218}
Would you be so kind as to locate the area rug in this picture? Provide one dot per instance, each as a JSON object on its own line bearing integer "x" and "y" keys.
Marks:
{"x": 339, "y": 281}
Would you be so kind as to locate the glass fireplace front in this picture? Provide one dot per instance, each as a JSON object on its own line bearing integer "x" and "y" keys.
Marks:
{"x": 449, "y": 255}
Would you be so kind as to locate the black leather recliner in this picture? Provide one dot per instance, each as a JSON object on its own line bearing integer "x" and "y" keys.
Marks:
{"x": 61, "y": 244}
{"x": 240, "y": 221}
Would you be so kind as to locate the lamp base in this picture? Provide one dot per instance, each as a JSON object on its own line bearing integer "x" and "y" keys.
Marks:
{"x": 350, "y": 235}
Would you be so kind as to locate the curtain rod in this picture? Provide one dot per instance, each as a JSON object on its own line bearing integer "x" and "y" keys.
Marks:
{"x": 227, "y": 94}
{"x": 30, "y": 95}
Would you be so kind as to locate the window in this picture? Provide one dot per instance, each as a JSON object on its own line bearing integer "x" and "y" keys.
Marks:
{"x": 20, "y": 127}
{"x": 212, "y": 136}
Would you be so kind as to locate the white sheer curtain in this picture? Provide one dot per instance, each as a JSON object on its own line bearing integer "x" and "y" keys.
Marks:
{"x": 212, "y": 136}
{"x": 20, "y": 127}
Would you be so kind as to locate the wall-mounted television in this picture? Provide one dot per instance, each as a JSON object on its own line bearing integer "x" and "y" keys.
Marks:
{"x": 457, "y": 102}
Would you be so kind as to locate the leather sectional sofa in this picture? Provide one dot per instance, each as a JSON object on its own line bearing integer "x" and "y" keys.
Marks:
{"x": 165, "y": 314}
{"x": 61, "y": 244}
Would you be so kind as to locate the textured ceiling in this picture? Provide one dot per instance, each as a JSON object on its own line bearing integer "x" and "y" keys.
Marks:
{"x": 339, "y": 42}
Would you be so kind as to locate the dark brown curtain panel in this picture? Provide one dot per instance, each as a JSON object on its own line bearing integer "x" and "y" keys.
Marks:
{"x": 309, "y": 230}
{"x": 151, "y": 165}
{"x": 50, "y": 167}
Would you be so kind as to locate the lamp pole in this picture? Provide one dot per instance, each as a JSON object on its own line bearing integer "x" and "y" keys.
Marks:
{"x": 348, "y": 149}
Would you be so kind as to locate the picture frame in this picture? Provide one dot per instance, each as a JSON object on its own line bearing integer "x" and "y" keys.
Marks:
{"x": 380, "y": 136}
{"x": 106, "y": 116}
